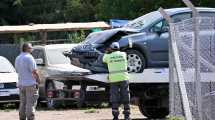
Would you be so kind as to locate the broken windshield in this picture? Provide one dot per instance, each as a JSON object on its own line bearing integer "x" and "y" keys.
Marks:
{"x": 144, "y": 21}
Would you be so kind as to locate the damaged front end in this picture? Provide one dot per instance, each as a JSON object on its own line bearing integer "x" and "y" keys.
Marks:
{"x": 87, "y": 57}
{"x": 88, "y": 54}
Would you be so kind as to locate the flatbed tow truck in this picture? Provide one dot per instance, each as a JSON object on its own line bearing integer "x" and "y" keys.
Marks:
{"x": 149, "y": 90}
{"x": 62, "y": 83}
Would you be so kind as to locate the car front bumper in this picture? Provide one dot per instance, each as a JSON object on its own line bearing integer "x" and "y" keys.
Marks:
{"x": 9, "y": 95}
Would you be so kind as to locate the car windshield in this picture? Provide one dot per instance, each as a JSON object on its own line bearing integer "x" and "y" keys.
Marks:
{"x": 144, "y": 21}
{"x": 139, "y": 24}
{"x": 6, "y": 66}
{"x": 55, "y": 56}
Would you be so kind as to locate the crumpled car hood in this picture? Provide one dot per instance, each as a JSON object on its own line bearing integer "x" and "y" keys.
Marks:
{"x": 8, "y": 77}
{"x": 66, "y": 69}
{"x": 102, "y": 36}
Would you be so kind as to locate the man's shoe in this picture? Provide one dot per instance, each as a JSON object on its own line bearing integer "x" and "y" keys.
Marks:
{"x": 127, "y": 118}
{"x": 115, "y": 118}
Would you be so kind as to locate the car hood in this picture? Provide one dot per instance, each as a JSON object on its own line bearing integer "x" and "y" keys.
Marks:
{"x": 8, "y": 77}
{"x": 101, "y": 37}
{"x": 67, "y": 69}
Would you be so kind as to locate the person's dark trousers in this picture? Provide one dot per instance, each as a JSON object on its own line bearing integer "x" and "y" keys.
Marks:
{"x": 119, "y": 94}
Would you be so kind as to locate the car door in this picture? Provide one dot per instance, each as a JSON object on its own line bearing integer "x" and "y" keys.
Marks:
{"x": 159, "y": 44}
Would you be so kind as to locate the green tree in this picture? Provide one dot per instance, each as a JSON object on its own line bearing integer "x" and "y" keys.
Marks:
{"x": 15, "y": 12}
{"x": 40, "y": 11}
{"x": 80, "y": 10}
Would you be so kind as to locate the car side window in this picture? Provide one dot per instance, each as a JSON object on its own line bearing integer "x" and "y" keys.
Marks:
{"x": 38, "y": 54}
{"x": 207, "y": 14}
{"x": 160, "y": 26}
{"x": 180, "y": 17}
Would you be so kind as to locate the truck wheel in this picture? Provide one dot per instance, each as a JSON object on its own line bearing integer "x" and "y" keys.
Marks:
{"x": 151, "y": 110}
{"x": 136, "y": 61}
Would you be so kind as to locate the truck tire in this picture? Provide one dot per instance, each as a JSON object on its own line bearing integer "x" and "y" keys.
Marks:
{"x": 150, "y": 109}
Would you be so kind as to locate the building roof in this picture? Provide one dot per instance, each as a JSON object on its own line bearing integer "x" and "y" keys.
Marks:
{"x": 53, "y": 27}
{"x": 55, "y": 46}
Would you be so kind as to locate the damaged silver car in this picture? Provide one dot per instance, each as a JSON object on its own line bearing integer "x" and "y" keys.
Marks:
{"x": 145, "y": 40}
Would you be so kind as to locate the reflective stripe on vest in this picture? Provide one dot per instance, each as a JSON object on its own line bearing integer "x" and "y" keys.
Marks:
{"x": 119, "y": 71}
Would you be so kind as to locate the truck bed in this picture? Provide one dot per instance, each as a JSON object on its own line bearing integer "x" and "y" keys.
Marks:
{"x": 155, "y": 75}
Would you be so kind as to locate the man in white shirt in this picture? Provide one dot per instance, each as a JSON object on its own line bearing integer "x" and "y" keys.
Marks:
{"x": 28, "y": 82}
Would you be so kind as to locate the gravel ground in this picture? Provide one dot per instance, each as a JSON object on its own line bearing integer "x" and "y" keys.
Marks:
{"x": 72, "y": 114}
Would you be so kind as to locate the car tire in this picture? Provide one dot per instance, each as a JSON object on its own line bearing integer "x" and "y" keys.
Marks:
{"x": 136, "y": 61}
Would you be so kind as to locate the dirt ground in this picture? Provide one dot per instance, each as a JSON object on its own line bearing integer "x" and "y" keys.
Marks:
{"x": 72, "y": 114}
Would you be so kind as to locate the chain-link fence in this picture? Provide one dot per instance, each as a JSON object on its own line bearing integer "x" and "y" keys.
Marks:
{"x": 192, "y": 90}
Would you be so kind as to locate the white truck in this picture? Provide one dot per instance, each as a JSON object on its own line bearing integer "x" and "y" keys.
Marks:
{"x": 66, "y": 83}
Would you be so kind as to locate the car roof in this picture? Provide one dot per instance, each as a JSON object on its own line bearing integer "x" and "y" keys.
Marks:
{"x": 55, "y": 46}
{"x": 172, "y": 11}
{"x": 3, "y": 58}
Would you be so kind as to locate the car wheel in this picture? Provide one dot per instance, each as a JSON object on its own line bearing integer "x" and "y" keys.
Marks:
{"x": 136, "y": 61}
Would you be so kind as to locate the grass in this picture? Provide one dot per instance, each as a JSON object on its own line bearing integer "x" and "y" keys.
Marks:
{"x": 7, "y": 107}
{"x": 175, "y": 118}
{"x": 91, "y": 110}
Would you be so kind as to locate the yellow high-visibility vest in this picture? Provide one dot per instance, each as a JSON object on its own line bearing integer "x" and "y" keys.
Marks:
{"x": 117, "y": 66}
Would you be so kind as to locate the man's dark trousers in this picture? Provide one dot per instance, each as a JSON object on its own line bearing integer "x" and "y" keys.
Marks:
{"x": 119, "y": 94}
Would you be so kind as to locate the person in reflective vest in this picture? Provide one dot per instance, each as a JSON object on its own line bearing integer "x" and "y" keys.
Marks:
{"x": 119, "y": 80}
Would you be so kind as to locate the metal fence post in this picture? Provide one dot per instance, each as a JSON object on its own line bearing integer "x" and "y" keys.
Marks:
{"x": 175, "y": 57}
{"x": 197, "y": 56}
{"x": 171, "y": 71}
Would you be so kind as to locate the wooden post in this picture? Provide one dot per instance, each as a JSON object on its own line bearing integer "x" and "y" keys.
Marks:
{"x": 43, "y": 37}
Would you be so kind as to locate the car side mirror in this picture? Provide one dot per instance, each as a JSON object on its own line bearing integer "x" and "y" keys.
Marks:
{"x": 40, "y": 61}
{"x": 157, "y": 29}
{"x": 165, "y": 29}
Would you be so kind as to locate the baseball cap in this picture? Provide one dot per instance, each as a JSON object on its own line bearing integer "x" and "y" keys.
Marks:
{"x": 114, "y": 45}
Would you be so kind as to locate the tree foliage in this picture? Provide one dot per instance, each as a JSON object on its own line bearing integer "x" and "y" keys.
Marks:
{"x": 15, "y": 12}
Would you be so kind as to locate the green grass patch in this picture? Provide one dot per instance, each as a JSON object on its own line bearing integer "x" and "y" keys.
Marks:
{"x": 175, "y": 118}
{"x": 91, "y": 110}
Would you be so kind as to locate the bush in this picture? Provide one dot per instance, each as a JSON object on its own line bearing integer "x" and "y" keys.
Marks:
{"x": 77, "y": 37}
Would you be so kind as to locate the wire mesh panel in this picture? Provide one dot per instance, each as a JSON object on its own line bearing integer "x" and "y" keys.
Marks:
{"x": 183, "y": 47}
